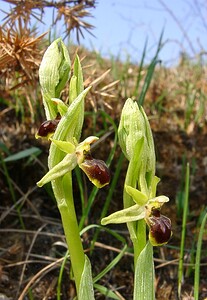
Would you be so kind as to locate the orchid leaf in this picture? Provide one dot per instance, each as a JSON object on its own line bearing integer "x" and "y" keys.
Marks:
{"x": 144, "y": 275}
{"x": 69, "y": 128}
{"x": 86, "y": 284}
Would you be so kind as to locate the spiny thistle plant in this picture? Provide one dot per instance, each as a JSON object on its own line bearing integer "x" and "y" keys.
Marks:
{"x": 142, "y": 208}
{"x": 21, "y": 46}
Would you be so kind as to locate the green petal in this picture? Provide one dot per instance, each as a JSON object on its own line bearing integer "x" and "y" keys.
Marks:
{"x": 138, "y": 197}
{"x": 66, "y": 147}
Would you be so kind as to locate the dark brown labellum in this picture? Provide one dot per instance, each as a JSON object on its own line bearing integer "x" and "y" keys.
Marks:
{"x": 160, "y": 229}
{"x": 96, "y": 170}
{"x": 48, "y": 127}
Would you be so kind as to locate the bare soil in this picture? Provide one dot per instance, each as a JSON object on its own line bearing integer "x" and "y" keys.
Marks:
{"x": 32, "y": 241}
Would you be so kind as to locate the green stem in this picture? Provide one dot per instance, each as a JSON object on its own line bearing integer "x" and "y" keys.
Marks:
{"x": 70, "y": 225}
{"x": 141, "y": 237}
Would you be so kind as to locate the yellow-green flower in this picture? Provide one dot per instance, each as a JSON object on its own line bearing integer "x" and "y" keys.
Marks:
{"x": 147, "y": 209}
{"x": 96, "y": 170}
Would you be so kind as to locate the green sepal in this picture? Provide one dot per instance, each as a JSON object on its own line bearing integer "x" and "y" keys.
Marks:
{"x": 68, "y": 163}
{"x": 132, "y": 213}
{"x": 149, "y": 147}
{"x": 138, "y": 197}
{"x": 76, "y": 83}
{"x": 73, "y": 89}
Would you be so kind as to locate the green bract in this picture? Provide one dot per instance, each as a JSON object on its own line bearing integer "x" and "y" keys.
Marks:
{"x": 54, "y": 72}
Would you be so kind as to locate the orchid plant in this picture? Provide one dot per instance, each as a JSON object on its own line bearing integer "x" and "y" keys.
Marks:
{"x": 142, "y": 208}
{"x": 63, "y": 129}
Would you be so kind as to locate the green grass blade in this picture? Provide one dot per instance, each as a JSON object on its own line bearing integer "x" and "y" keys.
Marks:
{"x": 108, "y": 162}
{"x": 111, "y": 265}
{"x": 4, "y": 148}
{"x": 198, "y": 258}
{"x": 23, "y": 154}
{"x": 11, "y": 190}
{"x": 139, "y": 75}
{"x": 106, "y": 292}
{"x": 150, "y": 72}
{"x": 113, "y": 186}
{"x": 110, "y": 231}
{"x": 88, "y": 207}
{"x": 61, "y": 275}
{"x": 185, "y": 212}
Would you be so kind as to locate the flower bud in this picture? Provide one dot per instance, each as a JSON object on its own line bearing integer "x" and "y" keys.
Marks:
{"x": 131, "y": 127}
{"x": 47, "y": 128}
{"x": 136, "y": 141}
{"x": 96, "y": 171}
{"x": 160, "y": 228}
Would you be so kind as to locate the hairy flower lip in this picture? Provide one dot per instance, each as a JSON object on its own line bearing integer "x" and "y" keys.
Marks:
{"x": 96, "y": 170}
{"x": 160, "y": 229}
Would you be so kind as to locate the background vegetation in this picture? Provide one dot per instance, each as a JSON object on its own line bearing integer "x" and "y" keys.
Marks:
{"x": 32, "y": 245}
